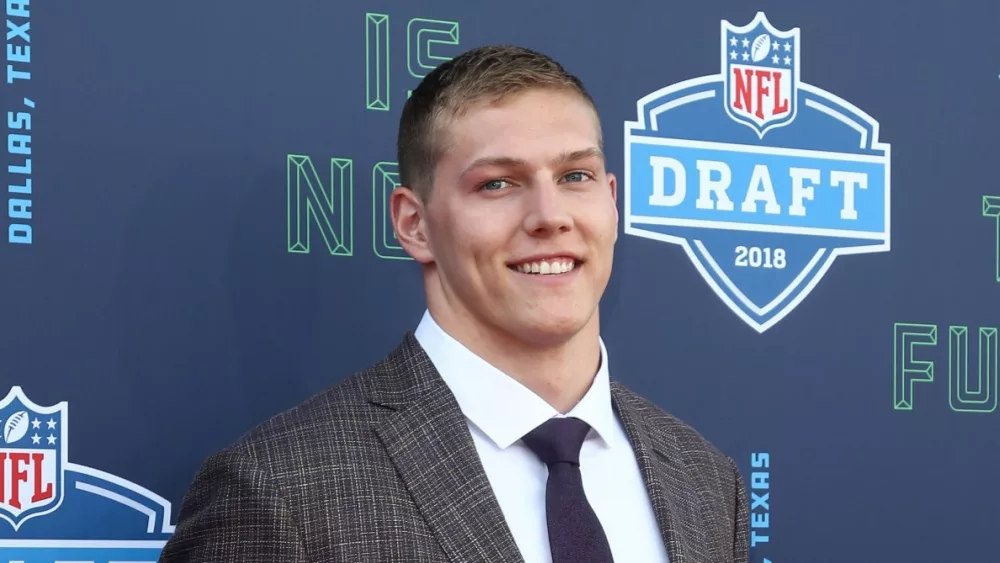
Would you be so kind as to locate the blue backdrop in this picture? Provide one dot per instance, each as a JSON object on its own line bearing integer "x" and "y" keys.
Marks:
{"x": 808, "y": 271}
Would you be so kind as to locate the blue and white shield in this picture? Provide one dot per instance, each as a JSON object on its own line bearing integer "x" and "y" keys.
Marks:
{"x": 32, "y": 457}
{"x": 762, "y": 191}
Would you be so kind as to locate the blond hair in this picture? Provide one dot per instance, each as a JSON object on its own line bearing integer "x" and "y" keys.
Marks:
{"x": 485, "y": 74}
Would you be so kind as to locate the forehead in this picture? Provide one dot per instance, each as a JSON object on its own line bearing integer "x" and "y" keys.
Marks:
{"x": 532, "y": 125}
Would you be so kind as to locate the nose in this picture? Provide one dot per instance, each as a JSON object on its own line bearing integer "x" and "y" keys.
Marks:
{"x": 548, "y": 209}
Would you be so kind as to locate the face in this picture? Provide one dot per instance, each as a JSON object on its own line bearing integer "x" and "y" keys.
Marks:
{"x": 519, "y": 232}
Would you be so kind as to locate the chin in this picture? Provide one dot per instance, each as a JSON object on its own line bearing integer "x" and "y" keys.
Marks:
{"x": 550, "y": 329}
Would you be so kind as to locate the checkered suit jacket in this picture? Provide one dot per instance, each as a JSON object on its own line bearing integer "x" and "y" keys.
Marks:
{"x": 382, "y": 468}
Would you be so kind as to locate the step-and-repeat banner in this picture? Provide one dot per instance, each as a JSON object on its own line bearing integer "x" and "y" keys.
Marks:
{"x": 197, "y": 238}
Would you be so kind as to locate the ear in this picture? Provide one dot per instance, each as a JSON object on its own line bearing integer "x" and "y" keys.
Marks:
{"x": 613, "y": 185}
{"x": 409, "y": 223}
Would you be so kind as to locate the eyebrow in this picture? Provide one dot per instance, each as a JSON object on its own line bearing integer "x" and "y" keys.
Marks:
{"x": 570, "y": 156}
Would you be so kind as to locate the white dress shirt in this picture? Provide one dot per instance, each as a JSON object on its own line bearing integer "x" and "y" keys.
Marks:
{"x": 501, "y": 410}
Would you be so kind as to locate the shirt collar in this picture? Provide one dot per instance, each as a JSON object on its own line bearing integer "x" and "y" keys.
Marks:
{"x": 500, "y": 406}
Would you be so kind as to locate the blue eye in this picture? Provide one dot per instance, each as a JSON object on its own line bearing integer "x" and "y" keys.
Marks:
{"x": 493, "y": 185}
{"x": 577, "y": 176}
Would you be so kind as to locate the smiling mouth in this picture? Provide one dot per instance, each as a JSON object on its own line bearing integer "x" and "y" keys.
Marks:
{"x": 546, "y": 267}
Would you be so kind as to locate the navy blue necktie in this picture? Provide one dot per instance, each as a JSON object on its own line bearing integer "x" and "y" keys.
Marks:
{"x": 575, "y": 533}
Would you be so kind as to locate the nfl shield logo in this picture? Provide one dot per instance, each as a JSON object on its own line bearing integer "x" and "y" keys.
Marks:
{"x": 32, "y": 457}
{"x": 760, "y": 66}
{"x": 763, "y": 179}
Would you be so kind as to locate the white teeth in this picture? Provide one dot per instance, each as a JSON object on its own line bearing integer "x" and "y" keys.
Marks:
{"x": 547, "y": 267}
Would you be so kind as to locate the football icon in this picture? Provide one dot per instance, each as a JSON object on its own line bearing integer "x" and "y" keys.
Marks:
{"x": 760, "y": 48}
{"x": 16, "y": 427}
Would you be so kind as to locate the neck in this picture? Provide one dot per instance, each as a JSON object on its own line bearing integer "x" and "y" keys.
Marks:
{"x": 559, "y": 372}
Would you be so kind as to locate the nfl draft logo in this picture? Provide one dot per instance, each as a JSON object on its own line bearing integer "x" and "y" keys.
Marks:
{"x": 32, "y": 455}
{"x": 52, "y": 510}
{"x": 762, "y": 179}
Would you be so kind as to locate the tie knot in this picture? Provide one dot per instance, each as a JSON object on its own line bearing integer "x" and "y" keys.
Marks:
{"x": 558, "y": 440}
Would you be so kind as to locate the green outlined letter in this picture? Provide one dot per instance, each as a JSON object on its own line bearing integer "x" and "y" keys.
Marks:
{"x": 906, "y": 370}
{"x": 991, "y": 208}
{"x": 309, "y": 202}
{"x": 422, "y": 36}
{"x": 962, "y": 395}
{"x": 385, "y": 178}
{"x": 377, "y": 61}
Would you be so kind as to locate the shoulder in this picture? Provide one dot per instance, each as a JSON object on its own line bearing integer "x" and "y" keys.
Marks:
{"x": 339, "y": 422}
{"x": 671, "y": 433}
{"x": 338, "y": 417}
{"x": 301, "y": 467}
{"x": 348, "y": 409}
{"x": 694, "y": 469}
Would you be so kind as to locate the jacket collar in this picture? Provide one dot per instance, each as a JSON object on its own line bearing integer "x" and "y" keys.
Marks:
{"x": 669, "y": 482}
{"x": 430, "y": 445}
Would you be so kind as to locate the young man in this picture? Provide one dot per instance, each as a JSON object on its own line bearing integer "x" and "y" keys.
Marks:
{"x": 493, "y": 432}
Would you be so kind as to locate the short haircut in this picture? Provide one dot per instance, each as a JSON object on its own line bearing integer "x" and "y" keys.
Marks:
{"x": 484, "y": 74}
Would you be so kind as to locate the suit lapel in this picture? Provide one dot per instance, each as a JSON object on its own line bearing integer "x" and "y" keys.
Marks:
{"x": 429, "y": 442}
{"x": 670, "y": 486}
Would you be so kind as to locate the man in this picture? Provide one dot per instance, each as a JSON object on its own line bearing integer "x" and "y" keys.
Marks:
{"x": 493, "y": 432}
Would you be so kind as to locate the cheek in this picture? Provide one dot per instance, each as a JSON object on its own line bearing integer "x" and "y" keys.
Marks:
{"x": 484, "y": 245}
{"x": 603, "y": 223}
{"x": 483, "y": 230}
{"x": 471, "y": 242}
